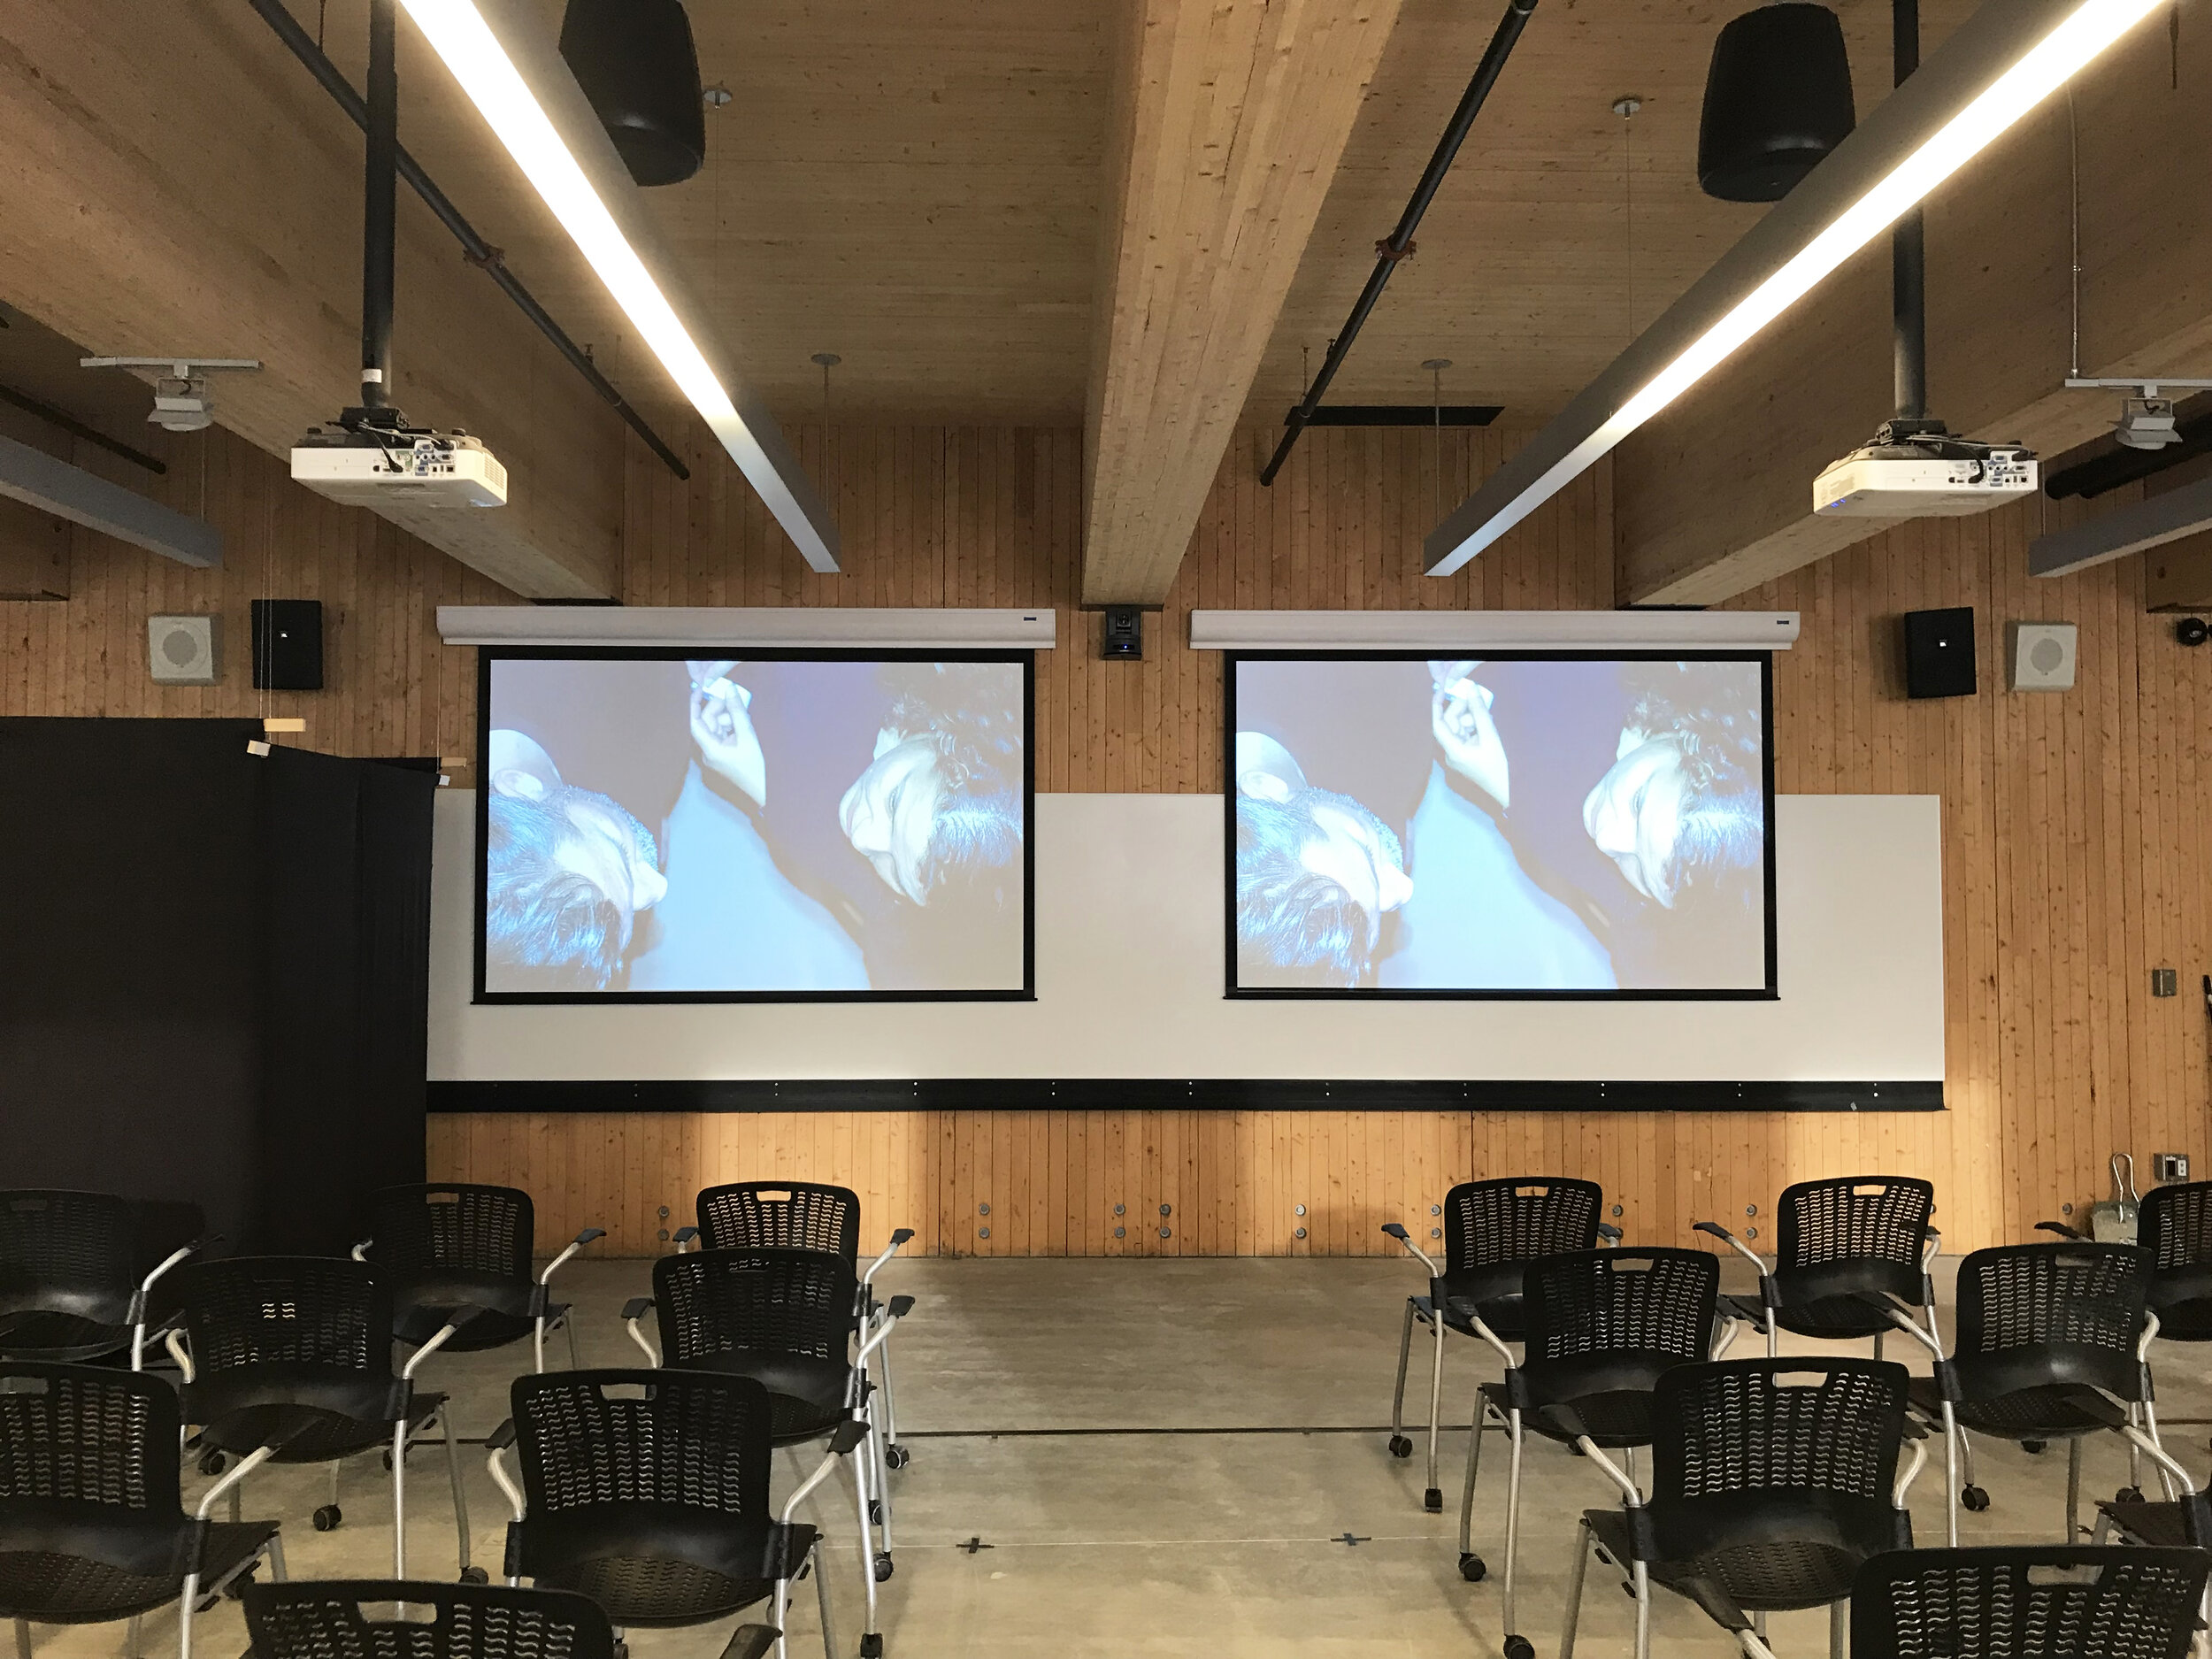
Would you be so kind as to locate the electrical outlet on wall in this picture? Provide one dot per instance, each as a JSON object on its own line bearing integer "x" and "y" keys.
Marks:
{"x": 2171, "y": 1166}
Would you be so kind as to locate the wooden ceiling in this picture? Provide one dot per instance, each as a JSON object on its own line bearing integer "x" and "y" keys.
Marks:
{"x": 917, "y": 187}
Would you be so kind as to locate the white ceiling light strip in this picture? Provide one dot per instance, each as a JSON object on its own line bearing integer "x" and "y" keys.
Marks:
{"x": 737, "y": 627}
{"x": 1583, "y": 433}
{"x": 516, "y": 106}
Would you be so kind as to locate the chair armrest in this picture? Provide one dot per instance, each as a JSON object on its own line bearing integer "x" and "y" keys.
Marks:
{"x": 889, "y": 1250}
{"x": 1912, "y": 1473}
{"x": 683, "y": 1236}
{"x": 237, "y": 1473}
{"x": 633, "y": 1310}
{"x": 1728, "y": 1327}
{"x": 901, "y": 1306}
{"x": 2143, "y": 1342}
{"x": 144, "y": 1294}
{"x": 1474, "y": 1317}
{"x": 1732, "y": 1242}
{"x": 454, "y": 1319}
{"x": 574, "y": 1245}
{"x": 498, "y": 1442}
{"x": 2061, "y": 1229}
{"x": 173, "y": 1341}
{"x": 360, "y": 1251}
{"x": 1396, "y": 1230}
{"x": 1567, "y": 1418}
{"x": 848, "y": 1434}
{"x": 1609, "y": 1234}
{"x": 1899, "y": 1314}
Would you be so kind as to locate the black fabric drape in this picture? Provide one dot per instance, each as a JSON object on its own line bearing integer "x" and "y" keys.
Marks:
{"x": 213, "y": 973}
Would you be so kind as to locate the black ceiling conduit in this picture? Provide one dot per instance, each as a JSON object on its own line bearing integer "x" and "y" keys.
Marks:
{"x": 478, "y": 251}
{"x": 1399, "y": 245}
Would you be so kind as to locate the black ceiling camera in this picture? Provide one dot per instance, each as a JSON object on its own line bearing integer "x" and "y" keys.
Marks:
{"x": 2192, "y": 631}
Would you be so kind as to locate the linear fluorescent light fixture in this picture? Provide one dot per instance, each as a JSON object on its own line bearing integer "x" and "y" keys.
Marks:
{"x": 751, "y": 627}
{"x": 1458, "y": 631}
{"x": 513, "y": 73}
{"x": 1999, "y": 64}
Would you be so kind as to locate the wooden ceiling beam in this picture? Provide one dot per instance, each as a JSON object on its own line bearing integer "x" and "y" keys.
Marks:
{"x": 174, "y": 181}
{"x": 1714, "y": 497}
{"x": 1229, "y": 117}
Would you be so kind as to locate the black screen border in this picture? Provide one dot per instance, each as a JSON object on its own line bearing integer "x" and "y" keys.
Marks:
{"x": 1769, "y": 993}
{"x": 487, "y": 655}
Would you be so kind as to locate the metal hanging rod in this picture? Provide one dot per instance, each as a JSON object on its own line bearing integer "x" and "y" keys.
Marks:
{"x": 478, "y": 251}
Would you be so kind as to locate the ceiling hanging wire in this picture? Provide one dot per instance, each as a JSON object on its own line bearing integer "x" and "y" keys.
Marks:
{"x": 1626, "y": 108}
{"x": 1436, "y": 367}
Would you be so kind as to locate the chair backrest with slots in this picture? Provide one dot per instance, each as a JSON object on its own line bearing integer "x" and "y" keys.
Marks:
{"x": 380, "y": 1619}
{"x": 2044, "y": 1315}
{"x": 89, "y": 1466}
{"x": 455, "y": 1243}
{"x": 1749, "y": 1453}
{"x": 780, "y": 1215}
{"x": 2035, "y": 1601}
{"x": 1615, "y": 1321}
{"x": 1853, "y": 1235}
{"x": 70, "y": 1253}
{"x": 1493, "y": 1228}
{"x": 675, "y": 1459}
{"x": 274, "y": 1331}
{"x": 2174, "y": 1225}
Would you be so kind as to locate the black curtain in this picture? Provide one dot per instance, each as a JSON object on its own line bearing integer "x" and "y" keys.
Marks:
{"x": 213, "y": 973}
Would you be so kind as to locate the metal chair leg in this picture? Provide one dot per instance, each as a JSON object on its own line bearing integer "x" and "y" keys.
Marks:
{"x": 568, "y": 1324}
{"x": 822, "y": 1600}
{"x": 1576, "y": 1575}
{"x": 890, "y": 1401}
{"x": 274, "y": 1550}
{"x": 453, "y": 1477}
{"x": 1512, "y": 1517}
{"x": 1640, "y": 1581}
{"x": 871, "y": 1640}
{"x": 1467, "y": 1486}
{"x": 537, "y": 1346}
{"x": 1954, "y": 1445}
{"x": 2073, "y": 1491}
{"x": 1433, "y": 1496}
{"x": 1839, "y": 1629}
{"x": 133, "y": 1634}
{"x": 1398, "y": 1395}
{"x": 23, "y": 1638}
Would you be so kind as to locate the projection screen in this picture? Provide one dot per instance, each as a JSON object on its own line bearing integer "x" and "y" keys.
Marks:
{"x": 1539, "y": 826}
{"x": 816, "y": 827}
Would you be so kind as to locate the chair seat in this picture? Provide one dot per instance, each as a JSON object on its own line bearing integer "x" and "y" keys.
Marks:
{"x": 2056, "y": 1412}
{"x": 57, "y": 1589}
{"x": 1781, "y": 1577}
{"x": 2156, "y": 1525}
{"x": 485, "y": 1329}
{"x": 2188, "y": 1321}
{"x": 1831, "y": 1319}
{"x": 65, "y": 1338}
{"x": 1507, "y": 1317}
{"x": 310, "y": 1435}
{"x": 1615, "y": 1421}
{"x": 657, "y": 1591}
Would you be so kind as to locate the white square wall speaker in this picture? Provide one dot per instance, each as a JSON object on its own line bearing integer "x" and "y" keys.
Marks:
{"x": 2043, "y": 656}
{"x": 184, "y": 650}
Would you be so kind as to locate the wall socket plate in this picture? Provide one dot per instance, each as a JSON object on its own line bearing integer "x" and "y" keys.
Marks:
{"x": 2171, "y": 1166}
{"x": 2164, "y": 982}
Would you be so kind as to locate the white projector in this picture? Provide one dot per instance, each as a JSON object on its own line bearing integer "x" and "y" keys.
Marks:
{"x": 1917, "y": 470}
{"x": 431, "y": 469}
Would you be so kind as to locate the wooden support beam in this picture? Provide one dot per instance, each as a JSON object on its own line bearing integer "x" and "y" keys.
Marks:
{"x": 1714, "y": 497}
{"x": 1229, "y": 119}
{"x": 173, "y": 181}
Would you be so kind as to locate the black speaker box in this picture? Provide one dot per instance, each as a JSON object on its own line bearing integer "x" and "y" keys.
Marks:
{"x": 1940, "y": 653}
{"x": 288, "y": 645}
{"x": 1123, "y": 637}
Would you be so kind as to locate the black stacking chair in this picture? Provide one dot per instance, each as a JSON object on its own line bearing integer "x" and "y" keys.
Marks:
{"x": 294, "y": 1354}
{"x": 452, "y": 1244}
{"x": 2174, "y": 1225}
{"x": 2028, "y": 1603}
{"x": 2049, "y": 1347}
{"x": 1492, "y": 1230}
{"x": 791, "y": 1320}
{"x": 648, "y": 1491}
{"x": 70, "y": 1283}
{"x": 1603, "y": 1327}
{"x": 804, "y": 1216}
{"x": 1773, "y": 1481}
{"x": 353, "y": 1618}
{"x": 1842, "y": 1249}
{"x": 92, "y": 1521}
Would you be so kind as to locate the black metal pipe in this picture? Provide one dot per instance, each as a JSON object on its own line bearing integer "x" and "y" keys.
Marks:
{"x": 1399, "y": 245}
{"x": 1909, "y": 249}
{"x": 478, "y": 251}
{"x": 77, "y": 428}
{"x": 379, "y": 205}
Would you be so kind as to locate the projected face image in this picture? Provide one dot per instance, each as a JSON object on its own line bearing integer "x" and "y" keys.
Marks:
{"x": 890, "y": 812}
{"x": 1680, "y": 811}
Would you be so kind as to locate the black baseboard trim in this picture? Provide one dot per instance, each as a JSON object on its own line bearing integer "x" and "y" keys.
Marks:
{"x": 1179, "y": 1094}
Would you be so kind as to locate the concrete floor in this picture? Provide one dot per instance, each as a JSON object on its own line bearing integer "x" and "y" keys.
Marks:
{"x": 1158, "y": 1457}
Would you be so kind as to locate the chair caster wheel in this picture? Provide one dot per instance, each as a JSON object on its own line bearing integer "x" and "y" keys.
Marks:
{"x": 871, "y": 1645}
{"x": 896, "y": 1456}
{"x": 235, "y": 1590}
{"x": 1432, "y": 1501}
{"x": 875, "y": 1511}
{"x": 2128, "y": 1495}
{"x": 475, "y": 1575}
{"x": 1974, "y": 1498}
{"x": 2034, "y": 1449}
{"x": 1520, "y": 1647}
{"x": 212, "y": 1464}
{"x": 327, "y": 1518}
{"x": 883, "y": 1566}
{"x": 1401, "y": 1446}
{"x": 1473, "y": 1570}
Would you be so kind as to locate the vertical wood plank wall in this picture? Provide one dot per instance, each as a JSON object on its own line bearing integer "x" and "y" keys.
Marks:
{"x": 2074, "y": 859}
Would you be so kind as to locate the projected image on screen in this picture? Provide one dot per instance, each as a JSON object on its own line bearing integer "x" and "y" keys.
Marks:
{"x": 665, "y": 828}
{"x": 1534, "y": 826}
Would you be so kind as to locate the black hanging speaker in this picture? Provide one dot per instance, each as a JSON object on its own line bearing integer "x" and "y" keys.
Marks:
{"x": 1777, "y": 98}
{"x": 1940, "y": 653}
{"x": 288, "y": 645}
{"x": 636, "y": 63}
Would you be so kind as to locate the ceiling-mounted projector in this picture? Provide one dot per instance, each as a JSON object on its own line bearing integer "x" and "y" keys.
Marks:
{"x": 1916, "y": 469}
{"x": 369, "y": 466}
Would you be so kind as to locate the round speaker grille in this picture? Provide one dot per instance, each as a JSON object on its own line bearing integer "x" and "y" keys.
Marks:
{"x": 2045, "y": 656}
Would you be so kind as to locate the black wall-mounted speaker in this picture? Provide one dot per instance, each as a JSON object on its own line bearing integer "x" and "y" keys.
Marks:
{"x": 1778, "y": 99}
{"x": 1940, "y": 653}
{"x": 288, "y": 645}
{"x": 637, "y": 65}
